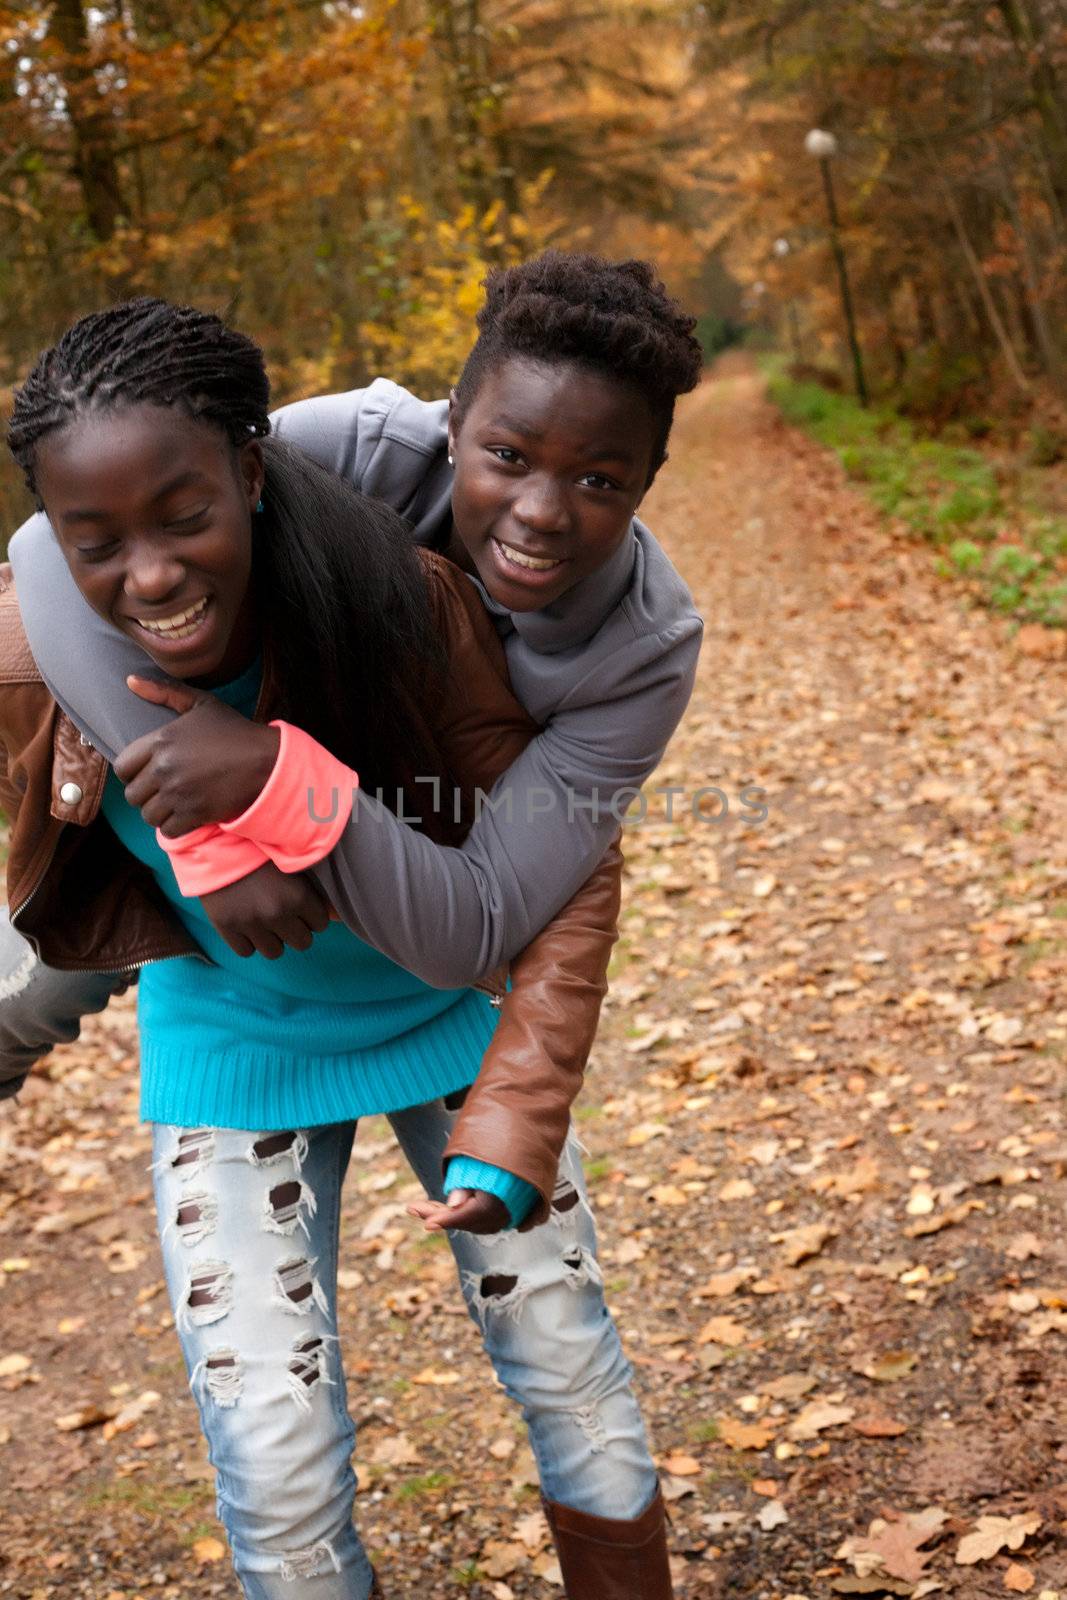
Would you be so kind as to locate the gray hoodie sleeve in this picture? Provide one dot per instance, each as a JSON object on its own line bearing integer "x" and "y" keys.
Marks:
{"x": 452, "y": 915}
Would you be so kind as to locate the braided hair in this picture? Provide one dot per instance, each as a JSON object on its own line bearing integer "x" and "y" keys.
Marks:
{"x": 143, "y": 351}
{"x": 349, "y": 642}
{"x": 614, "y": 317}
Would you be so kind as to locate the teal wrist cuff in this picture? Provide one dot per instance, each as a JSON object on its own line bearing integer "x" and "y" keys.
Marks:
{"x": 464, "y": 1172}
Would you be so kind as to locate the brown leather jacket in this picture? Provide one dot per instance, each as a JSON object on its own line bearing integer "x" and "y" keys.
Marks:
{"x": 86, "y": 904}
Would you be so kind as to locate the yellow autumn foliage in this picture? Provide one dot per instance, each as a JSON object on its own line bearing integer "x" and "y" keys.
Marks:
{"x": 423, "y": 327}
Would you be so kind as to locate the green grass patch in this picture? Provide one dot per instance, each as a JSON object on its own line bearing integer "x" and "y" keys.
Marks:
{"x": 704, "y": 1432}
{"x": 171, "y": 1502}
{"x": 596, "y": 1171}
{"x": 946, "y": 493}
{"x": 1041, "y": 950}
{"x": 430, "y": 1242}
{"x": 428, "y": 1483}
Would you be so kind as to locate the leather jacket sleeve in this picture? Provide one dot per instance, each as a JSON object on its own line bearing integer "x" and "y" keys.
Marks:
{"x": 517, "y": 1112}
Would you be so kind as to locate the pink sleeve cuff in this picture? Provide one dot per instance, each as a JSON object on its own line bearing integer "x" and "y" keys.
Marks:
{"x": 304, "y": 806}
{"x": 208, "y": 859}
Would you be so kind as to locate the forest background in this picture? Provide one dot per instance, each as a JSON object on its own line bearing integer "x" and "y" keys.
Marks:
{"x": 339, "y": 178}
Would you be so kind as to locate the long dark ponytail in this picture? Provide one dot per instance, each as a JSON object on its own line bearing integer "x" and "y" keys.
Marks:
{"x": 350, "y": 648}
{"x": 347, "y": 627}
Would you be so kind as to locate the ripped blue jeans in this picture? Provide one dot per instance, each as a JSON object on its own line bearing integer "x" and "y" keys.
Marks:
{"x": 249, "y": 1228}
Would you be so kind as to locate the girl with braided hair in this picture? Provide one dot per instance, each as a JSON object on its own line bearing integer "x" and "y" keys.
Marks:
{"x": 558, "y": 424}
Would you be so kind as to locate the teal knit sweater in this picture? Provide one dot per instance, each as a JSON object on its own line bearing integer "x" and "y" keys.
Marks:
{"x": 324, "y": 1035}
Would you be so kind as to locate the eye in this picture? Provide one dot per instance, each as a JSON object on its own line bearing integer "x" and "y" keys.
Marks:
{"x": 505, "y": 453}
{"x": 94, "y": 552}
{"x": 597, "y": 480}
{"x": 189, "y": 521}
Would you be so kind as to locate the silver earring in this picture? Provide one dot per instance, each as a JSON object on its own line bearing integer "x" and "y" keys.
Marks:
{"x": 451, "y": 459}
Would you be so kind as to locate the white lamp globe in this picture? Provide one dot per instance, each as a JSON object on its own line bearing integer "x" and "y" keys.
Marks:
{"x": 820, "y": 144}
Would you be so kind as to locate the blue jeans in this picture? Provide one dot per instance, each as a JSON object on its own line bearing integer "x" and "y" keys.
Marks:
{"x": 249, "y": 1227}
{"x": 41, "y": 1007}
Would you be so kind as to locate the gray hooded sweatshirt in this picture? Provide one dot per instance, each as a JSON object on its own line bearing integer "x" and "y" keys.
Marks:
{"x": 607, "y": 670}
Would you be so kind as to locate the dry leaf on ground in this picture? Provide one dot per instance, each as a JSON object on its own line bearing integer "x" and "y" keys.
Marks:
{"x": 499, "y": 1558}
{"x": 991, "y": 1535}
{"x": 771, "y": 1515}
{"x": 723, "y": 1330}
{"x": 745, "y": 1435}
{"x": 798, "y": 1244}
{"x": 817, "y": 1416}
{"x": 894, "y": 1548}
{"x": 879, "y": 1427}
{"x": 208, "y": 1550}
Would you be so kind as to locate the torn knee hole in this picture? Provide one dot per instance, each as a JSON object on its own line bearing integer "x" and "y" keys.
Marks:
{"x": 309, "y": 1356}
{"x": 502, "y": 1294}
{"x": 210, "y": 1293}
{"x": 285, "y": 1206}
{"x": 195, "y": 1217}
{"x": 272, "y": 1147}
{"x": 223, "y": 1376}
{"x": 565, "y": 1197}
{"x": 296, "y": 1287}
{"x": 581, "y": 1267}
{"x": 307, "y": 1563}
{"x": 194, "y": 1144}
{"x": 495, "y": 1285}
{"x": 591, "y": 1423}
{"x": 307, "y": 1368}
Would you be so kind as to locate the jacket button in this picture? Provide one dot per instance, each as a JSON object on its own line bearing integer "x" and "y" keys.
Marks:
{"x": 70, "y": 794}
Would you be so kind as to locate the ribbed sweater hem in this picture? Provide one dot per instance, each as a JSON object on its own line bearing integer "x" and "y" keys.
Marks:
{"x": 239, "y": 1088}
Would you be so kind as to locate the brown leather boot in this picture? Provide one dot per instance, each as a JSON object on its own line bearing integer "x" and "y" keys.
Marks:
{"x": 605, "y": 1559}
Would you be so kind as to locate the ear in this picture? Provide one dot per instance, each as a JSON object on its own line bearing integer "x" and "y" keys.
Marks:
{"x": 253, "y": 471}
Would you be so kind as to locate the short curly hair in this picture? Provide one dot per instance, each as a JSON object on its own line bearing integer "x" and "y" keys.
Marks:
{"x": 615, "y": 317}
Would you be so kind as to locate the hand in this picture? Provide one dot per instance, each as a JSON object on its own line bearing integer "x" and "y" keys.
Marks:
{"x": 469, "y": 1210}
{"x": 267, "y": 910}
{"x": 208, "y": 765}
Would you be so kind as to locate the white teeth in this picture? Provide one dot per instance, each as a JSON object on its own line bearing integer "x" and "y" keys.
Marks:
{"x": 180, "y": 626}
{"x": 517, "y": 559}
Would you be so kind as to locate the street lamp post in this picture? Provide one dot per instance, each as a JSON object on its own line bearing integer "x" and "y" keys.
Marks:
{"x": 781, "y": 248}
{"x": 823, "y": 146}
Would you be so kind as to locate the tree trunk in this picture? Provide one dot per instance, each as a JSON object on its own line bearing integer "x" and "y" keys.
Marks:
{"x": 94, "y": 160}
{"x": 1046, "y": 344}
{"x": 1026, "y": 28}
{"x": 925, "y": 318}
{"x": 981, "y": 283}
{"x": 482, "y": 161}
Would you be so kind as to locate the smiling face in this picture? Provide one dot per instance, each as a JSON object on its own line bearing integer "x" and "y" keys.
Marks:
{"x": 552, "y": 460}
{"x": 153, "y": 511}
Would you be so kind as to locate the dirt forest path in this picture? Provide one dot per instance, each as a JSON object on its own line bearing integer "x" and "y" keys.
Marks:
{"x": 825, "y": 1130}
